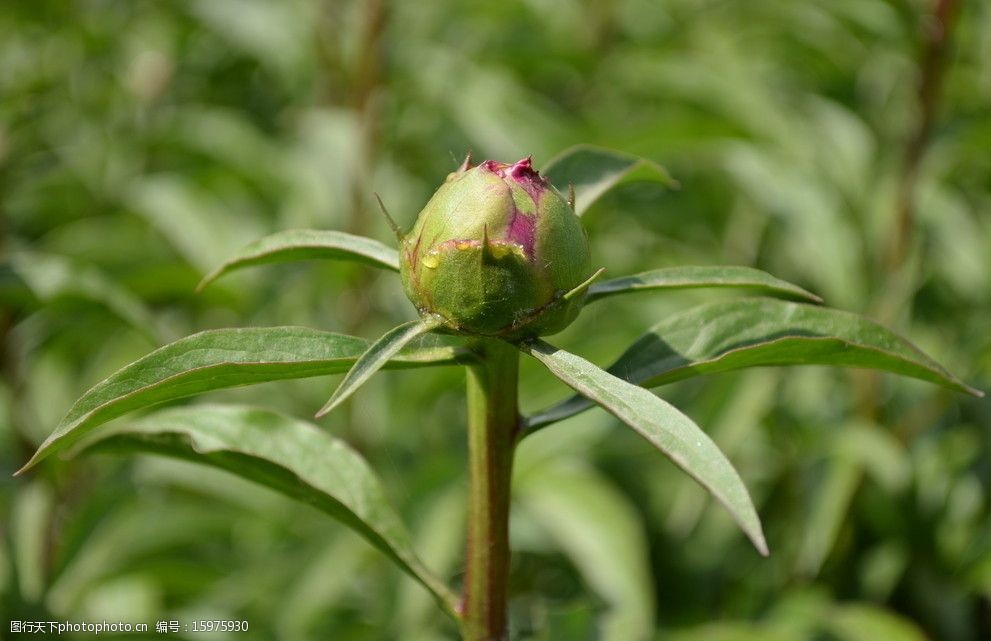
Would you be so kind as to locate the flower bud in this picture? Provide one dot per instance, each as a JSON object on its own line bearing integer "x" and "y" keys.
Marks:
{"x": 495, "y": 251}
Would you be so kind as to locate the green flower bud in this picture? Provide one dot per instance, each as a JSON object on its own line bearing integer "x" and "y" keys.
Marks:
{"x": 495, "y": 252}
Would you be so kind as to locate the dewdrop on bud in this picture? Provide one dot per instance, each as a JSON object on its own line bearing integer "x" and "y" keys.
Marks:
{"x": 497, "y": 252}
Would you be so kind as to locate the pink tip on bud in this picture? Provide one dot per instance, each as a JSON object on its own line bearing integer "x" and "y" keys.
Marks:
{"x": 522, "y": 172}
{"x": 523, "y": 168}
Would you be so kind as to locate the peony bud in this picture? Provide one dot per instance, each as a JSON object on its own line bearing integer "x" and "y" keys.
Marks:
{"x": 497, "y": 252}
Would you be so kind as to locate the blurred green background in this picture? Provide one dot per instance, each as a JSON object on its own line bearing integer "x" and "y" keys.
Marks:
{"x": 141, "y": 143}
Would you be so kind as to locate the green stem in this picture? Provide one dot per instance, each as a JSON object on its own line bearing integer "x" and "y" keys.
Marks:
{"x": 493, "y": 425}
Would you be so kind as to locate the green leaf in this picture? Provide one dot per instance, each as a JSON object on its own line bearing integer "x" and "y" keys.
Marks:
{"x": 376, "y": 356}
{"x": 731, "y": 631}
{"x": 728, "y": 335}
{"x": 855, "y": 448}
{"x": 439, "y": 535}
{"x": 327, "y": 577}
{"x": 829, "y": 508}
{"x": 197, "y": 221}
{"x": 289, "y": 456}
{"x": 663, "y": 426}
{"x": 587, "y": 515}
{"x": 51, "y": 277}
{"x": 306, "y": 244}
{"x": 31, "y": 515}
{"x": 734, "y": 414}
{"x": 700, "y": 276}
{"x": 867, "y": 622}
{"x": 593, "y": 171}
{"x": 218, "y": 359}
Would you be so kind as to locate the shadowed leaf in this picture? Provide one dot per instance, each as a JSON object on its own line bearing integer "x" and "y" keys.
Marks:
{"x": 214, "y": 360}
{"x": 664, "y": 427}
{"x": 729, "y": 335}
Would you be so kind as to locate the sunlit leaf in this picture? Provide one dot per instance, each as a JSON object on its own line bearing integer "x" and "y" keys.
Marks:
{"x": 728, "y": 335}
{"x": 663, "y": 426}
{"x": 290, "y": 456}
{"x": 700, "y": 276}
{"x": 377, "y": 355}
{"x": 307, "y": 244}
{"x": 219, "y": 359}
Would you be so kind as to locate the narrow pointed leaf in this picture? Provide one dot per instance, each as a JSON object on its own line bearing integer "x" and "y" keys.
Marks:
{"x": 377, "y": 356}
{"x": 307, "y": 244}
{"x": 219, "y": 359}
{"x": 287, "y": 455}
{"x": 594, "y": 171}
{"x": 664, "y": 427}
{"x": 700, "y": 276}
{"x": 729, "y": 335}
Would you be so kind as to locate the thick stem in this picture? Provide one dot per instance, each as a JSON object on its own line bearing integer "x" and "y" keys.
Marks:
{"x": 493, "y": 425}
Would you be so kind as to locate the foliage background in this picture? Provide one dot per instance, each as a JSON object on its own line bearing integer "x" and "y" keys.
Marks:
{"x": 141, "y": 143}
